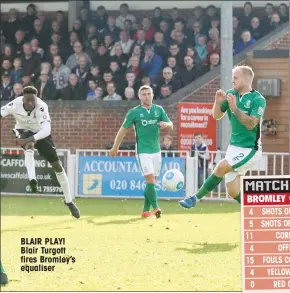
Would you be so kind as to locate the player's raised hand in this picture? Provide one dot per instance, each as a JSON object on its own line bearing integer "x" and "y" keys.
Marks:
{"x": 232, "y": 102}
{"x": 220, "y": 95}
{"x": 163, "y": 125}
{"x": 113, "y": 152}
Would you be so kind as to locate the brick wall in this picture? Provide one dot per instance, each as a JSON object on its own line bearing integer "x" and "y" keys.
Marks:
{"x": 87, "y": 126}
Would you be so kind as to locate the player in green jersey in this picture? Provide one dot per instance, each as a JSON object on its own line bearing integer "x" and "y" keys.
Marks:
{"x": 147, "y": 120}
{"x": 245, "y": 108}
{"x": 4, "y": 278}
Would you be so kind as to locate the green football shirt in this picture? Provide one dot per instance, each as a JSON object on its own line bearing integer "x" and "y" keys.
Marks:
{"x": 252, "y": 104}
{"x": 147, "y": 130}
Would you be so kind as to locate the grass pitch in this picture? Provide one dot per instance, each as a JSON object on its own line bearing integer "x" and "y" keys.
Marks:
{"x": 116, "y": 250}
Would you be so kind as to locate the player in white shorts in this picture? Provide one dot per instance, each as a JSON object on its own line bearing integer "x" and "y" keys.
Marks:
{"x": 245, "y": 108}
{"x": 32, "y": 131}
{"x": 147, "y": 120}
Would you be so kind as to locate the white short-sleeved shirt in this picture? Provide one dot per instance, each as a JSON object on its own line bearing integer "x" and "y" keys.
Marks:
{"x": 24, "y": 120}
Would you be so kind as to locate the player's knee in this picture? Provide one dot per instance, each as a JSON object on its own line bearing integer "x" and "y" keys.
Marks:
{"x": 57, "y": 166}
{"x": 222, "y": 168}
{"x": 233, "y": 188}
{"x": 29, "y": 146}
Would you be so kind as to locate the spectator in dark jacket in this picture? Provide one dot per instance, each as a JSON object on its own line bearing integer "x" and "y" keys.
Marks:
{"x": 246, "y": 16}
{"x": 169, "y": 80}
{"x": 82, "y": 70}
{"x": 112, "y": 29}
{"x": 102, "y": 18}
{"x": 275, "y": 21}
{"x": 165, "y": 29}
{"x": 73, "y": 91}
{"x": 171, "y": 62}
{"x": 175, "y": 52}
{"x": 151, "y": 64}
{"x": 103, "y": 58}
{"x": 160, "y": 46}
{"x": 30, "y": 61}
{"x": 6, "y": 87}
{"x": 11, "y": 26}
{"x": 283, "y": 12}
{"x": 237, "y": 31}
{"x": 245, "y": 42}
{"x": 28, "y": 20}
{"x": 165, "y": 92}
{"x": 189, "y": 73}
{"x": 256, "y": 29}
{"x": 157, "y": 17}
{"x": 17, "y": 91}
{"x": 46, "y": 87}
{"x": 40, "y": 34}
{"x": 20, "y": 39}
{"x": 266, "y": 20}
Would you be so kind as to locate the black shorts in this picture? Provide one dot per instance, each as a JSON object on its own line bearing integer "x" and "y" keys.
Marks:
{"x": 45, "y": 146}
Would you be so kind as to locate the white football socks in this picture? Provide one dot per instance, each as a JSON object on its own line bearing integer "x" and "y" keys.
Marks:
{"x": 30, "y": 164}
{"x": 64, "y": 183}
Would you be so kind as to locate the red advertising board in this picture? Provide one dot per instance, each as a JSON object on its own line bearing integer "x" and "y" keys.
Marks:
{"x": 193, "y": 118}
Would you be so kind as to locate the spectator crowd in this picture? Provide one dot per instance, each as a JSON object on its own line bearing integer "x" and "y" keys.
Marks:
{"x": 108, "y": 58}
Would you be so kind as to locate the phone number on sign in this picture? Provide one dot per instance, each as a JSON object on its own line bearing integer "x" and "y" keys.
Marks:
{"x": 52, "y": 189}
{"x": 132, "y": 185}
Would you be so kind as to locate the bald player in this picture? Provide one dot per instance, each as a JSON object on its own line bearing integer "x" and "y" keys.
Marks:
{"x": 245, "y": 108}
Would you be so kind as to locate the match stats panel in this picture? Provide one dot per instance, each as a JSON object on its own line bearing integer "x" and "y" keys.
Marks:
{"x": 266, "y": 234}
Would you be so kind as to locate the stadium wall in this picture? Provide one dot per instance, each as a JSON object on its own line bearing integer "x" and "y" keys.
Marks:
{"x": 94, "y": 124}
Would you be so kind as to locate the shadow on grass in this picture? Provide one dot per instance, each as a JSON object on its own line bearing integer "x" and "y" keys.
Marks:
{"x": 115, "y": 222}
{"x": 209, "y": 247}
{"x": 100, "y": 207}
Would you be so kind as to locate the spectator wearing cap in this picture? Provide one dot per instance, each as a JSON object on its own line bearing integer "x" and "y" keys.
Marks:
{"x": 82, "y": 69}
{"x": 102, "y": 18}
{"x": 45, "y": 87}
{"x": 246, "y": 41}
{"x": 157, "y": 17}
{"x": 103, "y": 58}
{"x": 124, "y": 14}
{"x": 28, "y": 20}
{"x": 72, "y": 61}
{"x": 214, "y": 44}
{"x": 6, "y": 87}
{"x": 17, "y": 71}
{"x": 30, "y": 61}
{"x": 169, "y": 80}
{"x": 175, "y": 52}
{"x": 11, "y": 26}
{"x": 256, "y": 29}
{"x": 246, "y": 17}
{"x": 160, "y": 46}
{"x": 283, "y": 12}
{"x": 73, "y": 92}
{"x": 60, "y": 73}
{"x": 151, "y": 64}
{"x": 112, "y": 95}
{"x": 112, "y": 29}
{"x": 17, "y": 91}
{"x": 189, "y": 73}
{"x": 125, "y": 42}
{"x": 120, "y": 57}
{"x": 40, "y": 34}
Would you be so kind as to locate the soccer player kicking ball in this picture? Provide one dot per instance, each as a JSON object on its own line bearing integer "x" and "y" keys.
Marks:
{"x": 245, "y": 108}
{"x": 32, "y": 130}
{"x": 147, "y": 119}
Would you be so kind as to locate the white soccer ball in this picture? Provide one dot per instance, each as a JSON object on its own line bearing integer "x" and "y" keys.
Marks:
{"x": 173, "y": 180}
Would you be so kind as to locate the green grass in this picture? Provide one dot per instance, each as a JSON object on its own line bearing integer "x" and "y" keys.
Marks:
{"x": 116, "y": 250}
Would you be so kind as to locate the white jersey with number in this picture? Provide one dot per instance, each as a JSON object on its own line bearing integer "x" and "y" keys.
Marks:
{"x": 24, "y": 120}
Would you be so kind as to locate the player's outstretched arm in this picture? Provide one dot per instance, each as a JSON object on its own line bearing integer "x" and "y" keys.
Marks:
{"x": 118, "y": 140}
{"x": 217, "y": 112}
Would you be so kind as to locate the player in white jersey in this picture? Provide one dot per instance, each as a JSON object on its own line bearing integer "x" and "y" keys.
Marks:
{"x": 32, "y": 130}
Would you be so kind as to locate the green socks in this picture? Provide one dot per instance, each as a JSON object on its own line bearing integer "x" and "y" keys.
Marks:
{"x": 209, "y": 185}
{"x": 2, "y": 269}
{"x": 238, "y": 198}
{"x": 152, "y": 195}
{"x": 147, "y": 203}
